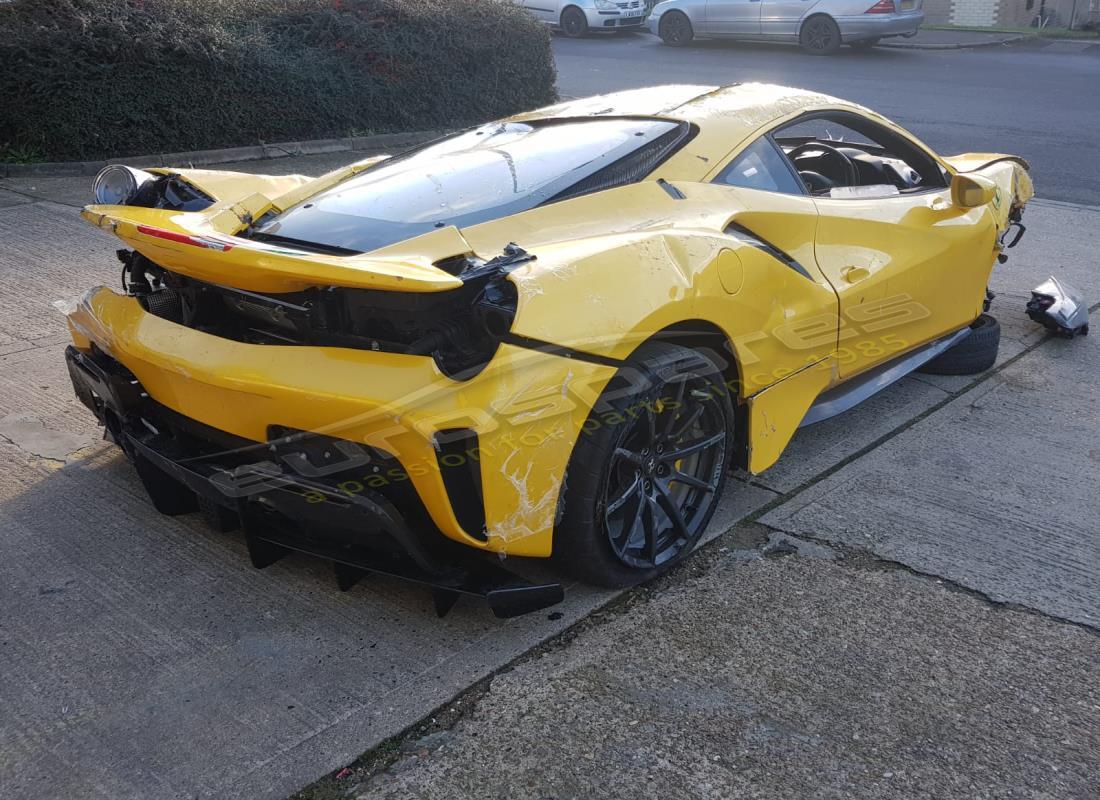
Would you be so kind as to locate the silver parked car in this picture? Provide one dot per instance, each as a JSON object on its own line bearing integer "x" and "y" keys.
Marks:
{"x": 819, "y": 26}
{"x": 580, "y": 17}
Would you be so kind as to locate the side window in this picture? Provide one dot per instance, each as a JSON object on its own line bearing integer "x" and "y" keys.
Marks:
{"x": 843, "y": 154}
{"x": 761, "y": 166}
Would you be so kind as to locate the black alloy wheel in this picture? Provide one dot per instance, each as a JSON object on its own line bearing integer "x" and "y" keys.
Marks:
{"x": 574, "y": 23}
{"x": 675, "y": 29}
{"x": 644, "y": 480}
{"x": 820, "y": 36}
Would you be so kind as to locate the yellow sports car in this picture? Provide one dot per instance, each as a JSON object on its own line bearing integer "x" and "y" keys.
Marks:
{"x": 552, "y": 335}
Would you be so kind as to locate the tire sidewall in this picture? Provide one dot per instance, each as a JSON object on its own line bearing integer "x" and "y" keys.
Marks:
{"x": 974, "y": 354}
{"x": 817, "y": 19}
{"x": 573, "y": 11}
{"x": 681, "y": 19}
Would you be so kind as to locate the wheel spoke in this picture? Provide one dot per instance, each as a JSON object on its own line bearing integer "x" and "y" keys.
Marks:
{"x": 626, "y": 494}
{"x": 677, "y": 402}
{"x": 651, "y": 423}
{"x": 632, "y": 517}
{"x": 688, "y": 421}
{"x": 686, "y": 450}
{"x": 649, "y": 520}
{"x": 691, "y": 480}
{"x": 672, "y": 511}
{"x": 628, "y": 455}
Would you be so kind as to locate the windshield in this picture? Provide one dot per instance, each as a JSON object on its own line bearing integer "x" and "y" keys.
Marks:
{"x": 479, "y": 175}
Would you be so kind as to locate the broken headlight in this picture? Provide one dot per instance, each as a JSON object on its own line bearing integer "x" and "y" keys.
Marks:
{"x": 1059, "y": 307}
{"x": 116, "y": 185}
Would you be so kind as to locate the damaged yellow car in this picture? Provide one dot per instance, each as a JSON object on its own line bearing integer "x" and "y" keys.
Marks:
{"x": 552, "y": 335}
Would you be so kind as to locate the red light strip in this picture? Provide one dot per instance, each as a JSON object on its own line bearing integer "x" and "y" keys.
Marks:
{"x": 183, "y": 238}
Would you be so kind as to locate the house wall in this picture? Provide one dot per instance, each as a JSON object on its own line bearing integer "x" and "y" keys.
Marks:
{"x": 1008, "y": 13}
{"x": 979, "y": 13}
{"x": 937, "y": 12}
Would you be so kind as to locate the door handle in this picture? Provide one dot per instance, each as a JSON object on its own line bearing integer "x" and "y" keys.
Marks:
{"x": 855, "y": 274}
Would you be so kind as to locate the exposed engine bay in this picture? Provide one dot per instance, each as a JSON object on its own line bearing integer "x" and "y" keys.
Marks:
{"x": 460, "y": 329}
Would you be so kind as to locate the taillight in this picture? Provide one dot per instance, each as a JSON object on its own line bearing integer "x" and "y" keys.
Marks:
{"x": 208, "y": 242}
{"x": 881, "y": 7}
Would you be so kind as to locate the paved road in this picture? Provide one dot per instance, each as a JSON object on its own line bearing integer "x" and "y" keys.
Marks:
{"x": 1020, "y": 99}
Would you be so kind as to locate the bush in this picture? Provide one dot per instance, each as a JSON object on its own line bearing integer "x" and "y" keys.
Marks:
{"x": 88, "y": 79}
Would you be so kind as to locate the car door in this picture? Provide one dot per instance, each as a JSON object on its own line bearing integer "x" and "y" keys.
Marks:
{"x": 775, "y": 216}
{"x": 908, "y": 267}
{"x": 783, "y": 17}
{"x": 900, "y": 268}
{"x": 733, "y": 17}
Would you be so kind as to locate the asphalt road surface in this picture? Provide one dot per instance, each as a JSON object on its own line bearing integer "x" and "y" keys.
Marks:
{"x": 1009, "y": 99}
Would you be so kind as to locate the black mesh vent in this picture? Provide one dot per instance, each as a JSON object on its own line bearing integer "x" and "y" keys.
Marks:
{"x": 164, "y": 303}
{"x": 629, "y": 169}
{"x": 457, "y": 451}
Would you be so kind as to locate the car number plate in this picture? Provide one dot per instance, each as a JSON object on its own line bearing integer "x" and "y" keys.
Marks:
{"x": 637, "y": 12}
{"x": 908, "y": 5}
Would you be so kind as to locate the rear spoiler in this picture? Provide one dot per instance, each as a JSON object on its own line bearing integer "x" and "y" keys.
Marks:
{"x": 204, "y": 245}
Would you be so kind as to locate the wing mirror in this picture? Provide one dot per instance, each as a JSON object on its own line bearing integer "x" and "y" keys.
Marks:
{"x": 971, "y": 191}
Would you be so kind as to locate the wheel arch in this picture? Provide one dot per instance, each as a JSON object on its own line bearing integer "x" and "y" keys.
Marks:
{"x": 677, "y": 11}
{"x": 704, "y": 335}
{"x": 813, "y": 14}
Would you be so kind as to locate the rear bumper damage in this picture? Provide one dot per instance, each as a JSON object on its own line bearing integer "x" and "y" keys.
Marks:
{"x": 521, "y": 415}
{"x": 186, "y": 466}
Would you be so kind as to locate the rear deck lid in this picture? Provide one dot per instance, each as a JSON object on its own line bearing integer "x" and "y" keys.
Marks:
{"x": 491, "y": 172}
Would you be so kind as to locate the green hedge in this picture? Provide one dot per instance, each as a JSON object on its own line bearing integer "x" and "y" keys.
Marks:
{"x": 88, "y": 79}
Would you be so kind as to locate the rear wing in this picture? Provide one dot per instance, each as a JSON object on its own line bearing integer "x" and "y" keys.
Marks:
{"x": 205, "y": 245}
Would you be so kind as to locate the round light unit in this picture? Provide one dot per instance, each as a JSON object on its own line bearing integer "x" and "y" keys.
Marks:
{"x": 116, "y": 185}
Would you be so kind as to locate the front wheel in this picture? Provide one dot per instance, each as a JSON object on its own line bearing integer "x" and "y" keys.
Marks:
{"x": 646, "y": 473}
{"x": 820, "y": 36}
{"x": 976, "y": 353}
{"x": 574, "y": 23}
{"x": 675, "y": 29}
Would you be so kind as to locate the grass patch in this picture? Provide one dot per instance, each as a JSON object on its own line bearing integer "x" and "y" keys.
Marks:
{"x": 1042, "y": 33}
{"x": 22, "y": 154}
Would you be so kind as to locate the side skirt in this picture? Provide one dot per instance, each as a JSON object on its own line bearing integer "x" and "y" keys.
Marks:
{"x": 855, "y": 390}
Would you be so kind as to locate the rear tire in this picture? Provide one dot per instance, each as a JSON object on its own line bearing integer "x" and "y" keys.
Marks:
{"x": 976, "y": 353}
{"x": 574, "y": 23}
{"x": 675, "y": 29}
{"x": 648, "y": 469}
{"x": 819, "y": 36}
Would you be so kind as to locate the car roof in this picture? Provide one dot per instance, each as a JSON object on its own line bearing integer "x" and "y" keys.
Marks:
{"x": 726, "y": 116}
{"x": 693, "y": 103}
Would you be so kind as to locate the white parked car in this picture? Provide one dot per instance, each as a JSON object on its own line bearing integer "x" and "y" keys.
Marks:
{"x": 580, "y": 17}
{"x": 819, "y": 26}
